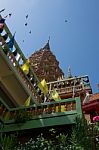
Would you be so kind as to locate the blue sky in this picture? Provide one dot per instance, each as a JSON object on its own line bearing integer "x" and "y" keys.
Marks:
{"x": 75, "y": 42}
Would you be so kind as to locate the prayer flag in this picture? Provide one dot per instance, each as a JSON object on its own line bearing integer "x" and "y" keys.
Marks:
{"x": 1, "y": 30}
{"x": 1, "y": 24}
{"x": 11, "y": 43}
{"x": 43, "y": 86}
{"x": 15, "y": 52}
{"x": 27, "y": 102}
{"x": 7, "y": 116}
{"x": 54, "y": 95}
{"x": 25, "y": 67}
{"x": 5, "y": 36}
{"x": 57, "y": 108}
{"x": 62, "y": 108}
{"x": 86, "y": 99}
{"x": 2, "y": 20}
{"x": 17, "y": 57}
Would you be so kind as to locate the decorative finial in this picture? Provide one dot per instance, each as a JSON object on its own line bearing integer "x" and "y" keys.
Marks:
{"x": 69, "y": 75}
{"x": 47, "y": 46}
{"x": 48, "y": 39}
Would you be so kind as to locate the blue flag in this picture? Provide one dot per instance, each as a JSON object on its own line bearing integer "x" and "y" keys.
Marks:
{"x": 5, "y": 36}
{"x": 11, "y": 43}
{"x": 2, "y": 20}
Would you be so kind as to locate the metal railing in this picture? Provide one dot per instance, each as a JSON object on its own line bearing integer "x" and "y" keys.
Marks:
{"x": 72, "y": 105}
{"x": 68, "y": 85}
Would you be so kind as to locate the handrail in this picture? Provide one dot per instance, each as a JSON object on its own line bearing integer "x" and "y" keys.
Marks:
{"x": 15, "y": 62}
{"x": 68, "y": 79}
{"x": 44, "y": 104}
{"x": 67, "y": 85}
{"x": 27, "y": 81}
{"x": 66, "y": 105}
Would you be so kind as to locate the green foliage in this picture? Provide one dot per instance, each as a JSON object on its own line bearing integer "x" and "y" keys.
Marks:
{"x": 81, "y": 138}
{"x": 96, "y": 130}
{"x": 38, "y": 143}
{"x": 96, "y": 127}
{"x": 7, "y": 142}
{"x": 63, "y": 142}
{"x": 22, "y": 116}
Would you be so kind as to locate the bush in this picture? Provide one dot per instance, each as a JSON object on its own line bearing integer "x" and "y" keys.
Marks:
{"x": 81, "y": 139}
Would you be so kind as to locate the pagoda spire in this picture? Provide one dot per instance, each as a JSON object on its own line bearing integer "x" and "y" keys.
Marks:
{"x": 47, "y": 46}
{"x": 69, "y": 75}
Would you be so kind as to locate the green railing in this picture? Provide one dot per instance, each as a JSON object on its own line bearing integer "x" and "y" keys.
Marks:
{"x": 34, "y": 115}
{"x": 67, "y": 105}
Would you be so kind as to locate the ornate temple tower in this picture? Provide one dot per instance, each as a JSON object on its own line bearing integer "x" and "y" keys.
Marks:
{"x": 45, "y": 64}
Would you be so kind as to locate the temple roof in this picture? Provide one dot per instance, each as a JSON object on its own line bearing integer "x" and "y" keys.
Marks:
{"x": 45, "y": 64}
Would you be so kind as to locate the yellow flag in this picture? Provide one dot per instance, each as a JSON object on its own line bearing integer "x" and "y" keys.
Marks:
{"x": 27, "y": 102}
{"x": 25, "y": 67}
{"x": 62, "y": 108}
{"x": 57, "y": 108}
{"x": 43, "y": 86}
{"x": 54, "y": 95}
{"x": 7, "y": 116}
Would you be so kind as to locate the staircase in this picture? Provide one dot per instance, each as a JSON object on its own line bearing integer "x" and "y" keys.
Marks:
{"x": 18, "y": 86}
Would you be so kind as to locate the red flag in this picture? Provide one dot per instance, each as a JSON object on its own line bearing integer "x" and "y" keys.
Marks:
{"x": 1, "y": 24}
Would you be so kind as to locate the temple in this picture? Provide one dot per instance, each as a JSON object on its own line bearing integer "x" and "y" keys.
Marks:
{"x": 34, "y": 93}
